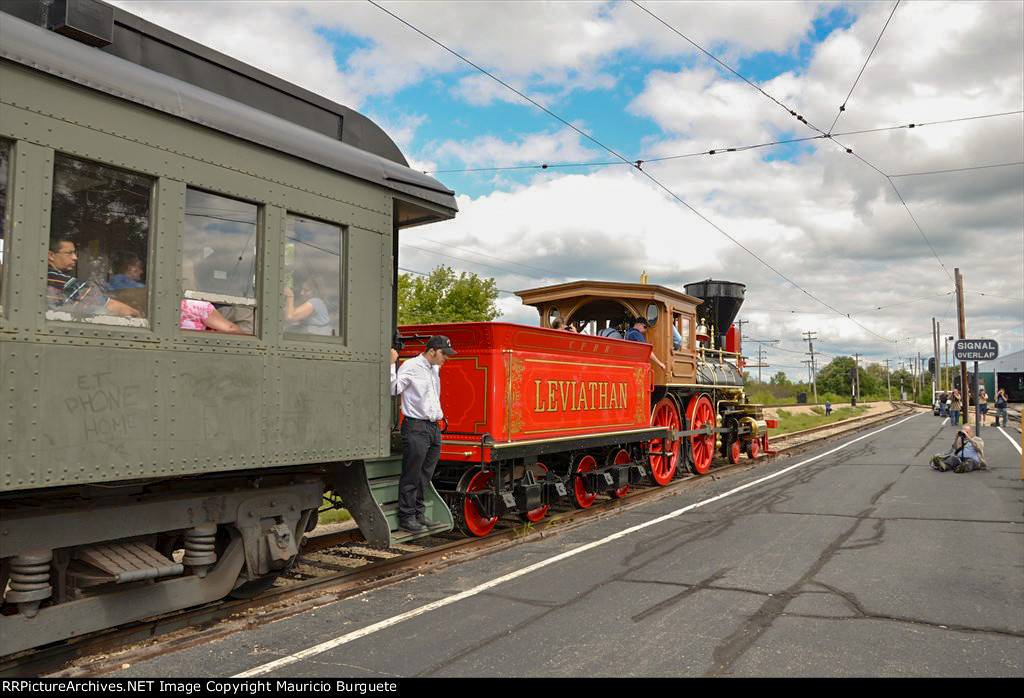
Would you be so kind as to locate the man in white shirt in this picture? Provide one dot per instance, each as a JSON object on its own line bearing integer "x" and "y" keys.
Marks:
{"x": 419, "y": 383}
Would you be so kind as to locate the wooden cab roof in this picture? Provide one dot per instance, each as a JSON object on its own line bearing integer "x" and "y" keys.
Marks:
{"x": 609, "y": 301}
{"x": 590, "y": 290}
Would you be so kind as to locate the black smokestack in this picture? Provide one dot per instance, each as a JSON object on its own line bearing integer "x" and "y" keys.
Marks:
{"x": 722, "y": 301}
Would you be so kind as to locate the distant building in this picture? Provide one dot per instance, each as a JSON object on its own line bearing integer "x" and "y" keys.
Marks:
{"x": 1006, "y": 372}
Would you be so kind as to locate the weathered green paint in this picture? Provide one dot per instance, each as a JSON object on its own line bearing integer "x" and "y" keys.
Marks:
{"x": 84, "y": 403}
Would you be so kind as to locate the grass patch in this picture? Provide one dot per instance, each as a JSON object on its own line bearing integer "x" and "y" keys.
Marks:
{"x": 789, "y": 422}
{"x": 332, "y": 515}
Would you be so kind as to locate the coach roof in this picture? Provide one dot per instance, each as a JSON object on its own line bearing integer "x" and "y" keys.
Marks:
{"x": 43, "y": 50}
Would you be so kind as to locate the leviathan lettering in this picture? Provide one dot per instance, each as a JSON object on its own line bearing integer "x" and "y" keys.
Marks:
{"x": 579, "y": 396}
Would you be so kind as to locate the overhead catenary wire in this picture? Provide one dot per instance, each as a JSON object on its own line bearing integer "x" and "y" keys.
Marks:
{"x": 956, "y": 169}
{"x": 792, "y": 112}
{"x": 638, "y": 167}
{"x": 723, "y": 149}
{"x": 842, "y": 107}
{"x": 804, "y": 121}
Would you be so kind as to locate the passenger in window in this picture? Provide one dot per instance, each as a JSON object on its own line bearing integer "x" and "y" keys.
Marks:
{"x": 201, "y": 315}
{"x": 636, "y": 334}
{"x": 677, "y": 339}
{"x": 128, "y": 272}
{"x": 310, "y": 314}
{"x": 65, "y": 292}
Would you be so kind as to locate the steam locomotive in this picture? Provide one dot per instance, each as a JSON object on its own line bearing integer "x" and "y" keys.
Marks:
{"x": 538, "y": 414}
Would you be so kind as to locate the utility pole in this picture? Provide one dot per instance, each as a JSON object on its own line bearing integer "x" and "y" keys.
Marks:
{"x": 918, "y": 384}
{"x": 810, "y": 337}
{"x": 760, "y": 352}
{"x": 739, "y": 326}
{"x": 856, "y": 365}
{"x": 936, "y": 387}
{"x": 888, "y": 379}
{"x": 962, "y": 327}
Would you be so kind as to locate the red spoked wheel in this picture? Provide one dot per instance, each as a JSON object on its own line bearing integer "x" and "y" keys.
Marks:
{"x": 700, "y": 413}
{"x": 621, "y": 457}
{"x": 734, "y": 452}
{"x": 754, "y": 448}
{"x": 582, "y": 498}
{"x": 472, "y": 519}
{"x": 666, "y": 414}
{"x": 540, "y": 472}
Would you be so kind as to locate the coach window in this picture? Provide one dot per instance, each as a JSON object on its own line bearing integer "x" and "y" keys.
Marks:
{"x": 219, "y": 261}
{"x": 99, "y": 244}
{"x": 553, "y": 314}
{"x": 5, "y": 159}
{"x": 312, "y": 293}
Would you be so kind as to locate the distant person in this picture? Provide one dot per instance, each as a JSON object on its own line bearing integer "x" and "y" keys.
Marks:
{"x": 954, "y": 408}
{"x": 828, "y": 407}
{"x": 557, "y": 324}
{"x": 201, "y": 315}
{"x": 309, "y": 312}
{"x": 943, "y": 398}
{"x": 677, "y": 339}
{"x": 966, "y": 454}
{"x": 636, "y": 334}
{"x": 983, "y": 403}
{"x": 128, "y": 272}
{"x": 65, "y": 292}
{"x": 1001, "y": 402}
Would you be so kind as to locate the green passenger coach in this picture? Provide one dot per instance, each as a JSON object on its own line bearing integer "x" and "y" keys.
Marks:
{"x": 147, "y": 466}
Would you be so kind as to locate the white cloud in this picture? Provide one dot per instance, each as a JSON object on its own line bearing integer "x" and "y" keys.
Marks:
{"x": 533, "y": 148}
{"x": 826, "y": 220}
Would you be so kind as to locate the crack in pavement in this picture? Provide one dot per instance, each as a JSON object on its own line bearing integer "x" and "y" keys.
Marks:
{"x": 729, "y": 651}
{"x": 855, "y": 605}
{"x": 675, "y": 599}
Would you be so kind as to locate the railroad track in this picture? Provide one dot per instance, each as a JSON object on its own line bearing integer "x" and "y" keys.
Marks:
{"x": 338, "y": 565}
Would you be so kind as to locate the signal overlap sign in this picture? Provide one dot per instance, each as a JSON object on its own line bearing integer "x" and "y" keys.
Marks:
{"x": 975, "y": 349}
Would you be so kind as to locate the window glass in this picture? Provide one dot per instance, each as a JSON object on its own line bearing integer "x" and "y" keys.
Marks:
{"x": 652, "y": 314}
{"x": 5, "y": 158}
{"x": 553, "y": 314}
{"x": 681, "y": 332}
{"x": 99, "y": 243}
{"x": 218, "y": 263}
{"x": 311, "y": 297}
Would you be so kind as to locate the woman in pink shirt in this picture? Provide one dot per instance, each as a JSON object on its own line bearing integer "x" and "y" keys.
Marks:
{"x": 201, "y": 315}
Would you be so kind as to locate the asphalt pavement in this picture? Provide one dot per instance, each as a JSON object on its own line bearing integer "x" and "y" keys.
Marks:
{"x": 855, "y": 559}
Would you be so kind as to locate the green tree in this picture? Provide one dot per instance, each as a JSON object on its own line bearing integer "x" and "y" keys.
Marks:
{"x": 835, "y": 376}
{"x": 444, "y": 296}
{"x": 780, "y": 379}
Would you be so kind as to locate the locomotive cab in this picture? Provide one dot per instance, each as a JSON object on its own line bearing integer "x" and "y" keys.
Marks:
{"x": 601, "y": 307}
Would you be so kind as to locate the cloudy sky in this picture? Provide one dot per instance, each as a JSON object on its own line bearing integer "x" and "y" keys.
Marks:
{"x": 875, "y": 234}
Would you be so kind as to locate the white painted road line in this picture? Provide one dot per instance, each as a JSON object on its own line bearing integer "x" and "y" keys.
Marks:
{"x": 395, "y": 620}
{"x": 945, "y": 421}
{"x": 1011, "y": 439}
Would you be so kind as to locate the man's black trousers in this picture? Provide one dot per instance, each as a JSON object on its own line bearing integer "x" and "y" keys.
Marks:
{"x": 421, "y": 447}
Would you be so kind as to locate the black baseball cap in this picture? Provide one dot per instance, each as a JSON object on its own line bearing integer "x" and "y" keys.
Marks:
{"x": 439, "y": 341}
{"x": 642, "y": 321}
